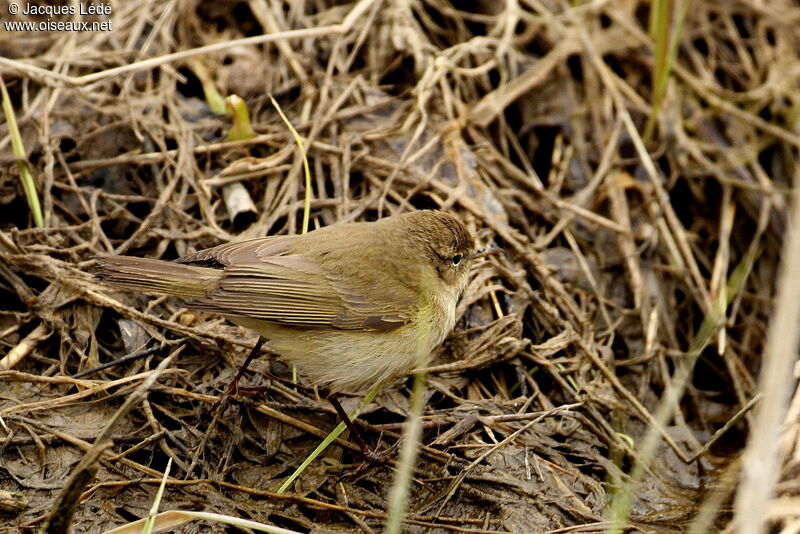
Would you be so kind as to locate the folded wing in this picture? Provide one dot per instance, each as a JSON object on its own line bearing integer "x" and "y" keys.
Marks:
{"x": 263, "y": 280}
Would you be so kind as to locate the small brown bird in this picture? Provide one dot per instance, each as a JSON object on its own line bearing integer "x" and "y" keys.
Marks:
{"x": 352, "y": 305}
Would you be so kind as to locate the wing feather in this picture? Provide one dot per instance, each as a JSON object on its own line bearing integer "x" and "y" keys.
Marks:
{"x": 265, "y": 279}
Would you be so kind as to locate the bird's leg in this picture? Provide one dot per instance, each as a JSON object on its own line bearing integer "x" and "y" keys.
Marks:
{"x": 233, "y": 387}
{"x": 369, "y": 455}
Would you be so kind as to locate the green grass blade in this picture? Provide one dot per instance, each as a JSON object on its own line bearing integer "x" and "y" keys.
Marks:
{"x": 19, "y": 151}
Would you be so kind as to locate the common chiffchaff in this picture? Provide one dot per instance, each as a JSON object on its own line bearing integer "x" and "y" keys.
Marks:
{"x": 352, "y": 305}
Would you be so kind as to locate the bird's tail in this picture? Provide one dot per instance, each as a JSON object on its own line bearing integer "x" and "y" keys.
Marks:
{"x": 157, "y": 276}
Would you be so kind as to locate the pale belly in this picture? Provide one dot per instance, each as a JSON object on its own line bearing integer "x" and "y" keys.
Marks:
{"x": 347, "y": 360}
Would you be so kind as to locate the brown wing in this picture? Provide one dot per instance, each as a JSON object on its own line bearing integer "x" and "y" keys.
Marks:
{"x": 262, "y": 279}
{"x": 247, "y": 251}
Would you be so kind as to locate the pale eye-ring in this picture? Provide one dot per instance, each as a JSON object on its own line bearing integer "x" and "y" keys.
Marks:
{"x": 456, "y": 259}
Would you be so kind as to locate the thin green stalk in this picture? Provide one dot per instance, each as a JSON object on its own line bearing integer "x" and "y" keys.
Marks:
{"x": 398, "y": 496}
{"x": 301, "y": 146}
{"x": 659, "y": 32}
{"x": 623, "y": 499}
{"x": 621, "y": 504}
{"x": 19, "y": 151}
{"x": 215, "y": 101}
{"x": 327, "y": 441}
{"x": 307, "y": 172}
{"x": 666, "y": 50}
{"x": 151, "y": 519}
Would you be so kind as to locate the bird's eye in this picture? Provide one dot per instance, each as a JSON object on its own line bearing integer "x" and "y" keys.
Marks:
{"x": 456, "y": 259}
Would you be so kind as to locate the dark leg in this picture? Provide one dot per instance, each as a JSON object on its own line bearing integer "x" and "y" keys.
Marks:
{"x": 366, "y": 451}
{"x": 233, "y": 387}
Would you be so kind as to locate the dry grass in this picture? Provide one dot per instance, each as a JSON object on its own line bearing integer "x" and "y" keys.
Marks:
{"x": 626, "y": 263}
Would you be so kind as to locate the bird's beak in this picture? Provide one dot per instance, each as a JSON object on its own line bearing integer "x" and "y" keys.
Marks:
{"x": 489, "y": 250}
